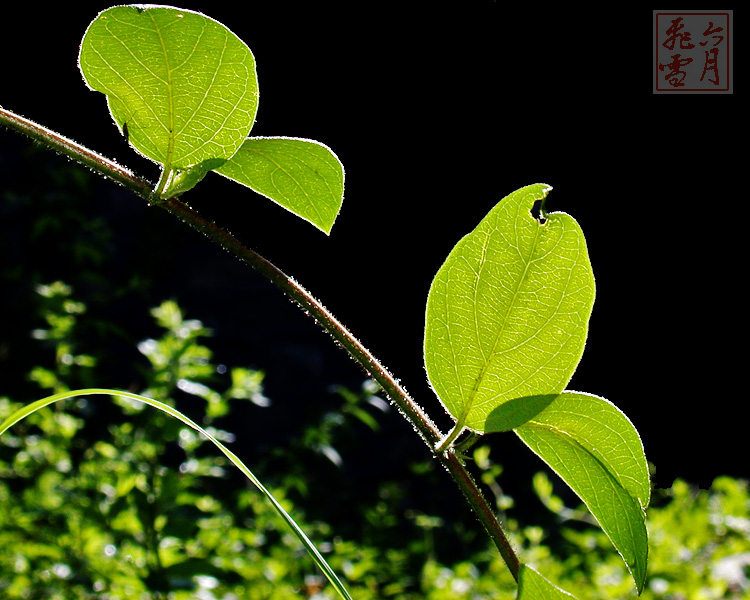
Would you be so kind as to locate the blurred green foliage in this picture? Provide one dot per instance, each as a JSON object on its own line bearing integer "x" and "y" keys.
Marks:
{"x": 137, "y": 507}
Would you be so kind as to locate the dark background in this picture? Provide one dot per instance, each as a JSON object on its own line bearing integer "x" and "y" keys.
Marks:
{"x": 437, "y": 111}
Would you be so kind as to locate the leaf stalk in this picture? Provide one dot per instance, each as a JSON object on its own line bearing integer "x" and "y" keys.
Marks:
{"x": 447, "y": 442}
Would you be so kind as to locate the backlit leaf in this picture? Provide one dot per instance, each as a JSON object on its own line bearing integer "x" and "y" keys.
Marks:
{"x": 303, "y": 176}
{"x": 181, "y": 84}
{"x": 507, "y": 314}
{"x": 596, "y": 450}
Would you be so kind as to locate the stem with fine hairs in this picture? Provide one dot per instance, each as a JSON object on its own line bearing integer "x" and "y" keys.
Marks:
{"x": 395, "y": 391}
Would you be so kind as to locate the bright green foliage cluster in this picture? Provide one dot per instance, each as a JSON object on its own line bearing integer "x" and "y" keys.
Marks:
{"x": 183, "y": 90}
{"x": 699, "y": 549}
{"x": 132, "y": 514}
{"x": 61, "y": 314}
{"x": 112, "y": 517}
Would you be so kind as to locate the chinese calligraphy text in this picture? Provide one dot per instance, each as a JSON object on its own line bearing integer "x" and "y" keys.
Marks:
{"x": 692, "y": 51}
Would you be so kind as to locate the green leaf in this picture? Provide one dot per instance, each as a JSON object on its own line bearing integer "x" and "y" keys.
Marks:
{"x": 532, "y": 586}
{"x": 507, "y": 314}
{"x": 180, "y": 181}
{"x": 29, "y": 409}
{"x": 181, "y": 84}
{"x": 596, "y": 450}
{"x": 303, "y": 176}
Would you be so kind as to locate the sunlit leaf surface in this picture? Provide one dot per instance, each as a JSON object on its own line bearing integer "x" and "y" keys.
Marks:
{"x": 596, "y": 450}
{"x": 181, "y": 84}
{"x": 303, "y": 176}
{"x": 507, "y": 314}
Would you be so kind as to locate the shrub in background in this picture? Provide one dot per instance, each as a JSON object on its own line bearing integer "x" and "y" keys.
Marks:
{"x": 145, "y": 509}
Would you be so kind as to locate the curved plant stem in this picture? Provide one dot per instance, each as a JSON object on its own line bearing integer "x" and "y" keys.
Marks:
{"x": 395, "y": 391}
{"x": 487, "y": 517}
{"x": 74, "y": 150}
{"x": 317, "y": 311}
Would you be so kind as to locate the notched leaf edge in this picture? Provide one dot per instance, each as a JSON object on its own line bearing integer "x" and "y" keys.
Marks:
{"x": 538, "y": 211}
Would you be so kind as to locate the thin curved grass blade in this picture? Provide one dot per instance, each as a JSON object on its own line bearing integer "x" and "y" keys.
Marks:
{"x": 309, "y": 546}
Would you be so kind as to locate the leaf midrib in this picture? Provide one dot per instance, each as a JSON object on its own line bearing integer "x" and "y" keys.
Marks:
{"x": 170, "y": 95}
{"x": 573, "y": 441}
{"x": 576, "y": 433}
{"x": 280, "y": 167}
{"x": 485, "y": 365}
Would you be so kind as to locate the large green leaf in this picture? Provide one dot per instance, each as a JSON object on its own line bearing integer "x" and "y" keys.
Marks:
{"x": 507, "y": 314}
{"x": 303, "y": 176}
{"x": 180, "y": 84}
{"x": 532, "y": 586}
{"x": 596, "y": 450}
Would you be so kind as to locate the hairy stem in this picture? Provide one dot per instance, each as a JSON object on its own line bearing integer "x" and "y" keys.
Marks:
{"x": 74, "y": 150}
{"x": 317, "y": 311}
{"x": 398, "y": 395}
{"x": 487, "y": 517}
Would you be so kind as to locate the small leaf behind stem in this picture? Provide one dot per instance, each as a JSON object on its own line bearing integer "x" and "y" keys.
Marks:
{"x": 303, "y": 176}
